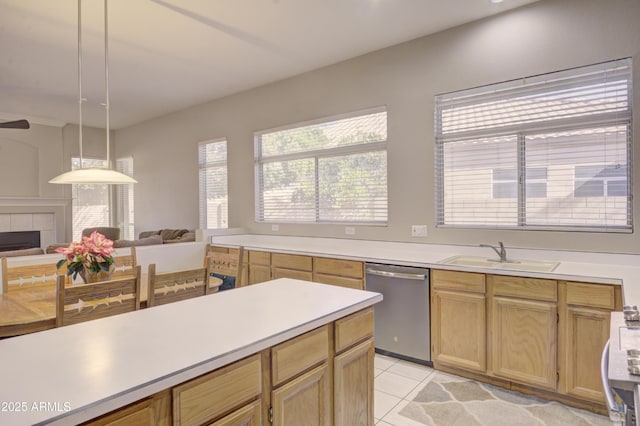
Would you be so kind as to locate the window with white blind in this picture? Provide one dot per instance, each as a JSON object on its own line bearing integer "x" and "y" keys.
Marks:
{"x": 325, "y": 171}
{"x": 546, "y": 152}
{"x": 124, "y": 197}
{"x": 214, "y": 205}
{"x": 89, "y": 202}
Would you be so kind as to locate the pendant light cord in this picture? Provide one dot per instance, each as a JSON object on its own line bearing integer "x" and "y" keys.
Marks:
{"x": 106, "y": 77}
{"x": 80, "y": 80}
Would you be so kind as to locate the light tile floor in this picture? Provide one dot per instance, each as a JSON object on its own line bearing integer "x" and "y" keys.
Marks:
{"x": 397, "y": 383}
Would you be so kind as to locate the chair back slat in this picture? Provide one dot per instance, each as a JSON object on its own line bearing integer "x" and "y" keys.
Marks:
{"x": 168, "y": 287}
{"x": 79, "y": 303}
{"x": 124, "y": 265}
{"x": 228, "y": 264}
{"x": 29, "y": 277}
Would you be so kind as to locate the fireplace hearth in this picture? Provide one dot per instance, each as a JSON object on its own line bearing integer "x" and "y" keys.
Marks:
{"x": 19, "y": 240}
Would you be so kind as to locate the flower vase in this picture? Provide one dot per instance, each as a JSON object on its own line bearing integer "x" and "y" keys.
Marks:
{"x": 89, "y": 277}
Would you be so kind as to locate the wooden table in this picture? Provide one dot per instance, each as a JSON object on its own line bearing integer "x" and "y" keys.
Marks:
{"x": 23, "y": 312}
{"x": 28, "y": 311}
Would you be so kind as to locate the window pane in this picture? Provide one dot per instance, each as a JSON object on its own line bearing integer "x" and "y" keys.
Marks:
{"x": 214, "y": 208}
{"x": 617, "y": 188}
{"x": 124, "y": 195}
{"x": 468, "y": 188}
{"x": 331, "y": 171}
{"x": 90, "y": 202}
{"x": 577, "y": 162}
{"x": 573, "y": 133}
{"x": 289, "y": 191}
{"x": 353, "y": 187}
{"x": 349, "y": 131}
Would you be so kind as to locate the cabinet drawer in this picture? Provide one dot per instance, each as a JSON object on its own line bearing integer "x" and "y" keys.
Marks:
{"x": 259, "y": 257}
{"x": 594, "y": 295}
{"x": 344, "y": 268}
{"x": 526, "y": 288}
{"x": 353, "y": 329}
{"x": 356, "y": 283}
{"x": 206, "y": 397}
{"x": 454, "y": 280}
{"x": 299, "y": 354}
{"x": 292, "y": 261}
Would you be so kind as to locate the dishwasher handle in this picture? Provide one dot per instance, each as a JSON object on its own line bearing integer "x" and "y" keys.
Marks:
{"x": 399, "y": 275}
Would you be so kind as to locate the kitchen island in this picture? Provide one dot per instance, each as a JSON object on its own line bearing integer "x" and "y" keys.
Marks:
{"x": 167, "y": 360}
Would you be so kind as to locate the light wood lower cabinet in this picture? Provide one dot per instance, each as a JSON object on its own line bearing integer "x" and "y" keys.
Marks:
{"x": 542, "y": 336}
{"x": 304, "y": 400}
{"x": 458, "y": 320}
{"x": 523, "y": 341}
{"x": 585, "y": 312}
{"x": 353, "y": 370}
{"x": 353, "y": 386}
{"x": 291, "y": 266}
{"x": 155, "y": 410}
{"x": 305, "y": 380}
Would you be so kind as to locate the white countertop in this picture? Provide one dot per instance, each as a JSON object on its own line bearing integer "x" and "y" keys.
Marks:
{"x": 82, "y": 371}
{"x": 603, "y": 268}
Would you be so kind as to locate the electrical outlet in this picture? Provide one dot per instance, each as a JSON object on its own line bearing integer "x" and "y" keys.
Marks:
{"x": 418, "y": 230}
{"x": 350, "y": 230}
{"x": 275, "y": 227}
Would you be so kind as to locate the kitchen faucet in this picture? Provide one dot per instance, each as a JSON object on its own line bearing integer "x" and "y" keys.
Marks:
{"x": 502, "y": 252}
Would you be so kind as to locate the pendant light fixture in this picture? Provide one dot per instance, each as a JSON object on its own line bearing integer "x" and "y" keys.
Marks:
{"x": 93, "y": 174}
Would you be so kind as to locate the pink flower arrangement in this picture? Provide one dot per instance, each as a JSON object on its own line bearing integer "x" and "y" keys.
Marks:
{"x": 93, "y": 254}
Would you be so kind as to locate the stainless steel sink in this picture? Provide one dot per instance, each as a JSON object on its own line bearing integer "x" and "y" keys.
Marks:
{"x": 515, "y": 264}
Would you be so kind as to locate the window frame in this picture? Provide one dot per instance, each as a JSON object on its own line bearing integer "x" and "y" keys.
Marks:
{"x": 521, "y": 132}
{"x": 203, "y": 212}
{"x": 317, "y": 155}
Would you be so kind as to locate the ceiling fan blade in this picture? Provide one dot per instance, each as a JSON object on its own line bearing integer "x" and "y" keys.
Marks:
{"x": 18, "y": 124}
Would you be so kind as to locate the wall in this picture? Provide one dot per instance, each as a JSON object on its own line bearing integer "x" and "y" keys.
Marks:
{"x": 30, "y": 158}
{"x": 546, "y": 36}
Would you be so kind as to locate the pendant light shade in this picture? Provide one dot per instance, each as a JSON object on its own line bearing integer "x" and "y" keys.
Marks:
{"x": 93, "y": 175}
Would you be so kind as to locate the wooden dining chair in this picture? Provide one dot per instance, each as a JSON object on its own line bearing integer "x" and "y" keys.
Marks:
{"x": 79, "y": 303}
{"x": 174, "y": 286}
{"x": 29, "y": 277}
{"x": 222, "y": 267}
{"x": 124, "y": 265}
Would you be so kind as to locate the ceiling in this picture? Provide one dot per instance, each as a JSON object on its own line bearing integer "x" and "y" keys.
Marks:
{"x": 167, "y": 55}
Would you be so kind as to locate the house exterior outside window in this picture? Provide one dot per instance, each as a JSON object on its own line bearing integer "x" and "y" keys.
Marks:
{"x": 546, "y": 152}
{"x": 332, "y": 170}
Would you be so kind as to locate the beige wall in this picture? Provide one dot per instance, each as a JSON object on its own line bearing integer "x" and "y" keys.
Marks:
{"x": 546, "y": 36}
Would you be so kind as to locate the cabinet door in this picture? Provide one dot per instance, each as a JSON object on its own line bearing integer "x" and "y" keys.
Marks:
{"x": 249, "y": 415}
{"x": 458, "y": 329}
{"x": 523, "y": 342}
{"x": 259, "y": 273}
{"x": 353, "y": 386}
{"x": 303, "y": 401}
{"x": 586, "y": 333}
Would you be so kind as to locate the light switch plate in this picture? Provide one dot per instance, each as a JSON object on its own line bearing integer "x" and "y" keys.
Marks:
{"x": 350, "y": 230}
{"x": 275, "y": 227}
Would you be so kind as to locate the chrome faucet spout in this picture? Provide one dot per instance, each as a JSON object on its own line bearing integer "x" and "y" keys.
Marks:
{"x": 502, "y": 252}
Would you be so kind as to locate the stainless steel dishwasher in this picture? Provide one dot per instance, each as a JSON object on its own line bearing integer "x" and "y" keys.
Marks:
{"x": 402, "y": 318}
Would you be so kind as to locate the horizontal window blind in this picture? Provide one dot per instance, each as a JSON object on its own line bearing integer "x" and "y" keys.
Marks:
{"x": 90, "y": 202}
{"x": 124, "y": 196}
{"x": 331, "y": 170}
{"x": 550, "y": 151}
{"x": 213, "y": 195}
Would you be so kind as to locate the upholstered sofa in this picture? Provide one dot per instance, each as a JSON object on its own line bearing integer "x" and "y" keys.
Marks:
{"x": 171, "y": 235}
